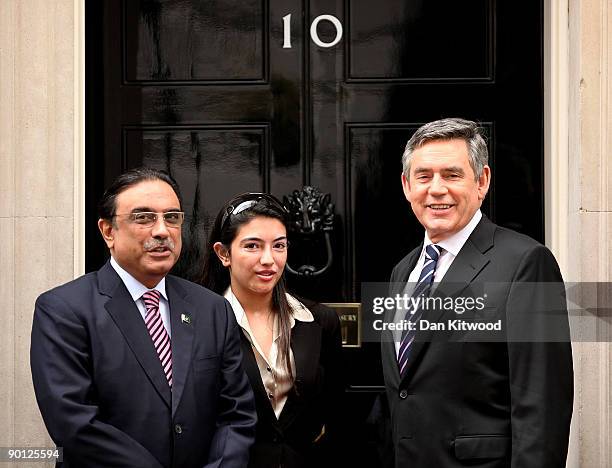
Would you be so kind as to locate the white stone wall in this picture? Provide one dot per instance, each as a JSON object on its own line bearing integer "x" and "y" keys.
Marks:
{"x": 38, "y": 179}
{"x": 589, "y": 186}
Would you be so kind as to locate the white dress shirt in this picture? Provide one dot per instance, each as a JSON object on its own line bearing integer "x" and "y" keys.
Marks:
{"x": 451, "y": 245}
{"x": 274, "y": 375}
{"x": 137, "y": 289}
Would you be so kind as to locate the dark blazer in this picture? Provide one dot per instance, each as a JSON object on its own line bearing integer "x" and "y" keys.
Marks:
{"x": 102, "y": 391}
{"x": 289, "y": 441}
{"x": 487, "y": 404}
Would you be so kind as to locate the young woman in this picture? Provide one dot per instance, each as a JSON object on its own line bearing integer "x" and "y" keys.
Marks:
{"x": 291, "y": 352}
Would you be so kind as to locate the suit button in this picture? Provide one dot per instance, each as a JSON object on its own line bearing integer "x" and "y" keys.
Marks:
{"x": 403, "y": 394}
{"x": 178, "y": 429}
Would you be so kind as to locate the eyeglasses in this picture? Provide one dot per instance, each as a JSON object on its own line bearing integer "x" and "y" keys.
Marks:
{"x": 147, "y": 219}
{"x": 252, "y": 199}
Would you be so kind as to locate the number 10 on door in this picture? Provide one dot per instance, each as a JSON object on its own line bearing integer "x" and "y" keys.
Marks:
{"x": 314, "y": 35}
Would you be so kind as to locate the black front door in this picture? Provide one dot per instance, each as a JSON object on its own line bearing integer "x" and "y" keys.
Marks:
{"x": 271, "y": 95}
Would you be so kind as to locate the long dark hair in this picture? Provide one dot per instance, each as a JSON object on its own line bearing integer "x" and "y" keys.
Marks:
{"x": 237, "y": 212}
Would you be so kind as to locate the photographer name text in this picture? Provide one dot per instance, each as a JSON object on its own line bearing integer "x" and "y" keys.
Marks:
{"x": 447, "y": 325}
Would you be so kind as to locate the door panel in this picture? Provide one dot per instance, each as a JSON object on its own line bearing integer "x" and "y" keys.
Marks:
{"x": 177, "y": 41}
{"x": 409, "y": 41}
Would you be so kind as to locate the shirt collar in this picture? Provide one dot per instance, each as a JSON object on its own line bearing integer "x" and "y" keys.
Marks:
{"x": 236, "y": 306}
{"x": 135, "y": 287}
{"x": 454, "y": 243}
{"x": 299, "y": 311}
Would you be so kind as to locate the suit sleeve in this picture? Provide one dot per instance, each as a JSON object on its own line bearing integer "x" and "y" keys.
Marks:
{"x": 540, "y": 363}
{"x": 61, "y": 363}
{"x": 235, "y": 431}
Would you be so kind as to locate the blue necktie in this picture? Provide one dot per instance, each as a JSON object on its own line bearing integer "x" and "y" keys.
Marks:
{"x": 422, "y": 288}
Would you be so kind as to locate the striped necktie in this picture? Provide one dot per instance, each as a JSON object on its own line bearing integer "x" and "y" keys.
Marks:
{"x": 159, "y": 335}
{"x": 422, "y": 288}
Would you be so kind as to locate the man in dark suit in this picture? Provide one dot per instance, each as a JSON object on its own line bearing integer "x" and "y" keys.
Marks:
{"x": 133, "y": 367}
{"x": 456, "y": 400}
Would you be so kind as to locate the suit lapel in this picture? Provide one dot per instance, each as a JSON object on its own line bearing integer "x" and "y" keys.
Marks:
{"x": 182, "y": 327}
{"x": 252, "y": 370}
{"x": 125, "y": 314}
{"x": 471, "y": 259}
{"x": 306, "y": 347}
{"x": 464, "y": 270}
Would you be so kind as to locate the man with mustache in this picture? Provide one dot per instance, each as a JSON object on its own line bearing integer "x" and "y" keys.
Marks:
{"x": 133, "y": 367}
{"x": 490, "y": 400}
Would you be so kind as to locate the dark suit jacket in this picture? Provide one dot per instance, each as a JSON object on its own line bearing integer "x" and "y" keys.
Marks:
{"x": 488, "y": 404}
{"x": 289, "y": 441}
{"x": 102, "y": 391}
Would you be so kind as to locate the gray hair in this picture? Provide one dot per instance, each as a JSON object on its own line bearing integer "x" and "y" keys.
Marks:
{"x": 448, "y": 129}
